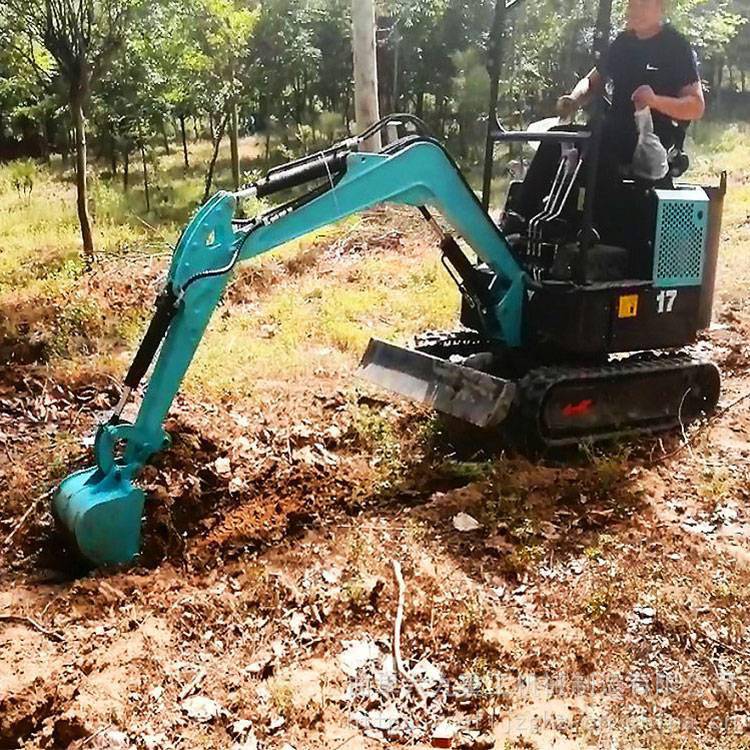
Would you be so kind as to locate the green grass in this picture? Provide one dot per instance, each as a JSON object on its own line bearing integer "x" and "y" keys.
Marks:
{"x": 715, "y": 147}
{"x": 320, "y": 320}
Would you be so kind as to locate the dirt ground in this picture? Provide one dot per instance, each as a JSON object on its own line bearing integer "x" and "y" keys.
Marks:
{"x": 600, "y": 602}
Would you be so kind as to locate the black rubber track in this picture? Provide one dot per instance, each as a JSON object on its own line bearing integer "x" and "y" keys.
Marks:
{"x": 645, "y": 379}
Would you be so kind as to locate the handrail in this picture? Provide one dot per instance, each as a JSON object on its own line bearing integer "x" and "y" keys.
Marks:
{"x": 549, "y": 136}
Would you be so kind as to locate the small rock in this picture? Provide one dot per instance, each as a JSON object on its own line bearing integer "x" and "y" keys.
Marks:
{"x": 296, "y": 622}
{"x": 201, "y": 709}
{"x": 240, "y": 727}
{"x": 356, "y": 655}
{"x": 384, "y": 719}
{"x": 306, "y": 455}
{"x": 112, "y": 739}
{"x": 576, "y": 567}
{"x": 360, "y": 718}
{"x": 465, "y": 522}
{"x": 726, "y": 514}
{"x": 693, "y": 526}
{"x": 242, "y": 731}
{"x": 240, "y": 420}
{"x": 223, "y": 466}
{"x": 236, "y": 485}
{"x": 645, "y": 615}
{"x": 155, "y": 741}
{"x": 332, "y": 575}
{"x": 262, "y": 666}
{"x": 427, "y": 673}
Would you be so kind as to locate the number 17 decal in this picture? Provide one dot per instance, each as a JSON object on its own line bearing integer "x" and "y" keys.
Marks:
{"x": 665, "y": 300}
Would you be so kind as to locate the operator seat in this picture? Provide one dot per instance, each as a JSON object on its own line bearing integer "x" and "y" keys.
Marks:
{"x": 626, "y": 229}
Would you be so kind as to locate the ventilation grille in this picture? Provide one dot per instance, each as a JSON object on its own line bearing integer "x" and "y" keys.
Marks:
{"x": 681, "y": 236}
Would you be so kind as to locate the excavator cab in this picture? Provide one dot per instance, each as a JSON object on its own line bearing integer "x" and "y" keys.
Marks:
{"x": 646, "y": 279}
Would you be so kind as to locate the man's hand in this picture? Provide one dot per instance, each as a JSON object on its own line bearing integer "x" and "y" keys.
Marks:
{"x": 643, "y": 96}
{"x": 567, "y": 106}
{"x": 689, "y": 105}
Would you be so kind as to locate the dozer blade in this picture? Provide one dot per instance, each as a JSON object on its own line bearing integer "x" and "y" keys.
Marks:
{"x": 102, "y": 514}
{"x": 463, "y": 392}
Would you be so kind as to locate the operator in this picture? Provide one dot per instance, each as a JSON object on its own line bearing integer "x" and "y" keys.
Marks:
{"x": 650, "y": 64}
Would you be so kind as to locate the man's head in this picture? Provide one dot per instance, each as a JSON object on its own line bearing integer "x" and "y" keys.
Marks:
{"x": 645, "y": 17}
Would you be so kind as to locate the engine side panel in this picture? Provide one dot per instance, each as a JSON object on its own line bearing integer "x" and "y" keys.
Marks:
{"x": 607, "y": 318}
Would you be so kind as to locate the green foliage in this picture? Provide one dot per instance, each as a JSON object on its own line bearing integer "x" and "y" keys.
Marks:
{"x": 709, "y": 24}
{"x": 471, "y": 87}
{"x": 154, "y": 71}
{"x": 21, "y": 175}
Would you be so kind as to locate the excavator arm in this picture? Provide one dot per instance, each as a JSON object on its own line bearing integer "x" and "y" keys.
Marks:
{"x": 100, "y": 506}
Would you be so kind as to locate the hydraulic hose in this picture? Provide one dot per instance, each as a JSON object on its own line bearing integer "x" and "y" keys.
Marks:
{"x": 166, "y": 308}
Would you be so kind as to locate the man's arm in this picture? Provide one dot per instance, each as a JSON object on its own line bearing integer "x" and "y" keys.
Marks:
{"x": 688, "y": 105}
{"x": 583, "y": 92}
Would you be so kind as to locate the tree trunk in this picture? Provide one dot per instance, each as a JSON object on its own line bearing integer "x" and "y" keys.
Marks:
{"x": 365, "y": 69}
{"x": 396, "y": 50}
{"x": 82, "y": 198}
{"x": 443, "y": 117}
{"x": 184, "y": 142}
{"x": 419, "y": 108}
{"x": 65, "y": 148}
{"x": 146, "y": 191}
{"x": 462, "y": 137}
{"x": 126, "y": 169}
{"x": 212, "y": 164}
{"x": 233, "y": 143}
{"x": 165, "y": 137}
{"x": 49, "y": 137}
{"x": 211, "y": 129}
{"x": 195, "y": 129}
{"x": 347, "y": 111}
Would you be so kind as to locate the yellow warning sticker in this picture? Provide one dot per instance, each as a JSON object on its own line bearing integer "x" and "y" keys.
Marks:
{"x": 628, "y": 306}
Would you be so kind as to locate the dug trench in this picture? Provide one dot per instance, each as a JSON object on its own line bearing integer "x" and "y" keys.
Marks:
{"x": 603, "y": 595}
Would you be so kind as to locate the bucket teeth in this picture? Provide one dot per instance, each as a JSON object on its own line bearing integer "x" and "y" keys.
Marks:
{"x": 463, "y": 392}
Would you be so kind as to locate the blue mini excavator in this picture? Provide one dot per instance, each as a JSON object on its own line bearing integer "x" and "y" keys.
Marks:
{"x": 566, "y": 334}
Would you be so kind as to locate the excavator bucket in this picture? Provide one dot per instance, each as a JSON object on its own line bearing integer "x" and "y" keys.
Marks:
{"x": 463, "y": 392}
{"x": 102, "y": 513}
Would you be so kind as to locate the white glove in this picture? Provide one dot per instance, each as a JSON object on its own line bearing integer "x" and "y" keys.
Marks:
{"x": 650, "y": 156}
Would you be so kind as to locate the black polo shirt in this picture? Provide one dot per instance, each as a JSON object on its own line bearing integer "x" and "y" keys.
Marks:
{"x": 666, "y": 62}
